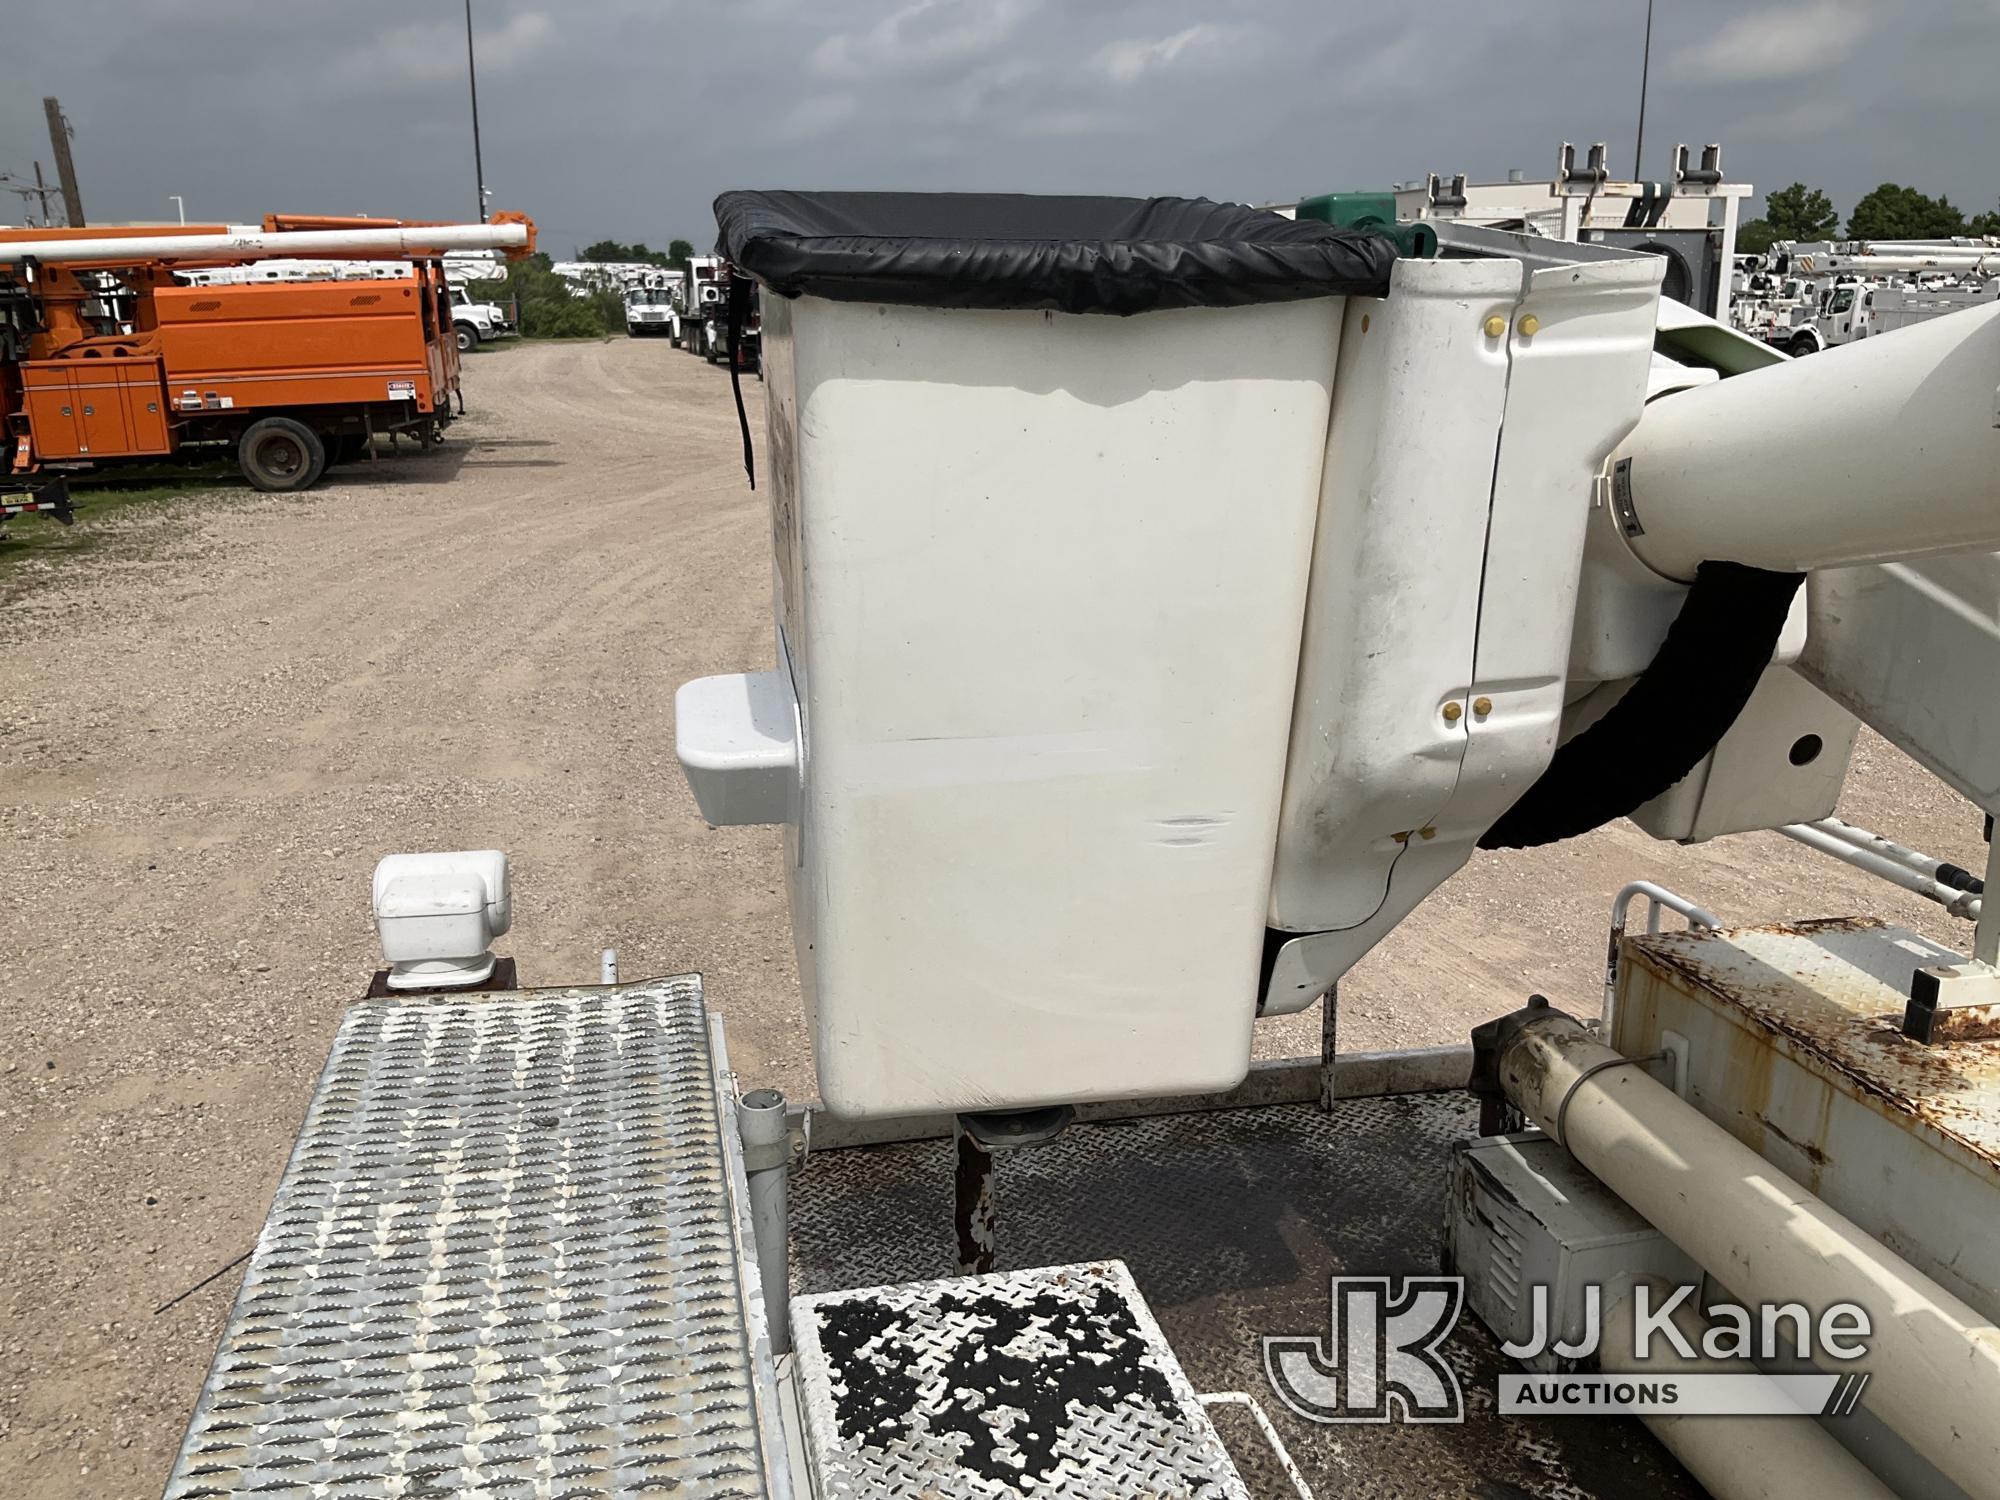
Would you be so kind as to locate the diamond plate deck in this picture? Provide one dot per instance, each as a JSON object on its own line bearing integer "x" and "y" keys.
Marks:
{"x": 500, "y": 1263}
{"x": 1232, "y": 1222}
{"x": 1054, "y": 1382}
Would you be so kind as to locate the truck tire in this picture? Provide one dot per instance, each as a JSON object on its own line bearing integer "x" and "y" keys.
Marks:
{"x": 346, "y": 448}
{"x": 1801, "y": 345}
{"x": 279, "y": 454}
{"x": 468, "y": 337}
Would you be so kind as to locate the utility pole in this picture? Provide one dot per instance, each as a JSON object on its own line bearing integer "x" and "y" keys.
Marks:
{"x": 1645, "y": 74}
{"x": 472, "y": 76}
{"x": 11, "y": 184}
{"x": 65, "y": 168}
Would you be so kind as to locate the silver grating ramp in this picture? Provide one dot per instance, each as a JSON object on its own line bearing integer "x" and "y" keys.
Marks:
{"x": 501, "y": 1263}
{"x": 1051, "y": 1382}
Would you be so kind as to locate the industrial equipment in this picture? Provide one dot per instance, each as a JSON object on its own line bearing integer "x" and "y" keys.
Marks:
{"x": 105, "y": 356}
{"x": 1169, "y": 597}
{"x": 1813, "y": 296}
{"x": 1687, "y": 218}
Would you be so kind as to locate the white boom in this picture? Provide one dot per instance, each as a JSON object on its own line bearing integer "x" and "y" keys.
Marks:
{"x": 255, "y": 244}
{"x": 1889, "y": 452}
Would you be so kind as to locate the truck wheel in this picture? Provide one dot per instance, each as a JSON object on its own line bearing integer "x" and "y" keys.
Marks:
{"x": 278, "y": 454}
{"x": 468, "y": 337}
{"x": 345, "y": 448}
{"x": 1801, "y": 345}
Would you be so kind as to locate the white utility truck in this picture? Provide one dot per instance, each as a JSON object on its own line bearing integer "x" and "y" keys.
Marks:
{"x": 476, "y": 322}
{"x": 1169, "y": 597}
{"x": 1835, "y": 293}
{"x": 650, "y": 306}
{"x": 701, "y": 297}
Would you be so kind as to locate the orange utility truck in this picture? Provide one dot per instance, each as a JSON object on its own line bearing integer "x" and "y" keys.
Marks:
{"x": 106, "y": 357}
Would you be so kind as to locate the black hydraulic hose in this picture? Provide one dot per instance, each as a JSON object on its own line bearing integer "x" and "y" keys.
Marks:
{"x": 1675, "y": 714}
{"x": 739, "y": 307}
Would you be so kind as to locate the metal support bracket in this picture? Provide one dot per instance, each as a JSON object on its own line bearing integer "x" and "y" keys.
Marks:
{"x": 977, "y": 1139}
{"x": 1953, "y": 1003}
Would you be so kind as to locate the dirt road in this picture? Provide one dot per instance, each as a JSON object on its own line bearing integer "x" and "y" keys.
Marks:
{"x": 213, "y": 726}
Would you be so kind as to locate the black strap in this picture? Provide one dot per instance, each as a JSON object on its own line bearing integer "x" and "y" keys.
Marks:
{"x": 739, "y": 305}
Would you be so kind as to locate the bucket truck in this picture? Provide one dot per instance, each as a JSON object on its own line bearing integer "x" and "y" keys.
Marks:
{"x": 650, "y": 304}
{"x": 1169, "y": 597}
{"x": 107, "y": 357}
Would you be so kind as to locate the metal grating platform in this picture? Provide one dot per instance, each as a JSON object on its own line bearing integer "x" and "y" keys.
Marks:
{"x": 501, "y": 1262}
{"x": 1232, "y": 1222}
{"x": 1044, "y": 1382}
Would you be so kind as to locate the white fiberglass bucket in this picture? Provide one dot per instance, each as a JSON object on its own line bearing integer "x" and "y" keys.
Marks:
{"x": 1044, "y": 474}
{"x": 1040, "y": 584}
{"x": 1041, "y": 578}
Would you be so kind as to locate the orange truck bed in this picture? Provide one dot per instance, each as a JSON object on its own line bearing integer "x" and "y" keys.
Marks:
{"x": 293, "y": 344}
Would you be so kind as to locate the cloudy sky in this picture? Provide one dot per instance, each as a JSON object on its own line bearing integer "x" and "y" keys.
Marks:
{"x": 625, "y": 117}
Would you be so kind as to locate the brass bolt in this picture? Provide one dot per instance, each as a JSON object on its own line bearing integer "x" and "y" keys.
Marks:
{"x": 1482, "y": 706}
{"x": 1451, "y": 713}
{"x": 1495, "y": 326}
{"x": 1429, "y": 833}
{"x": 1530, "y": 326}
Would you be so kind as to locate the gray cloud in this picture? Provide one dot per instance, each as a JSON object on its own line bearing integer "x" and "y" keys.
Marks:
{"x": 625, "y": 117}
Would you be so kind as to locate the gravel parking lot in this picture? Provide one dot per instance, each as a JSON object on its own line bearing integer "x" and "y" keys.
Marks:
{"x": 215, "y": 723}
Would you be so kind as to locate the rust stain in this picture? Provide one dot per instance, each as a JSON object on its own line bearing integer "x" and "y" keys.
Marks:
{"x": 1807, "y": 1149}
{"x": 1966, "y": 1023}
{"x": 1828, "y": 1008}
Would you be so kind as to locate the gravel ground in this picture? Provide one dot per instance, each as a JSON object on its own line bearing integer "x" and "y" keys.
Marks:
{"x": 213, "y": 726}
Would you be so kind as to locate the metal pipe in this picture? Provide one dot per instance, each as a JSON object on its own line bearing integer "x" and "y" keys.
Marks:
{"x": 1934, "y": 1362}
{"x": 1980, "y": 263}
{"x": 1958, "y": 243}
{"x": 1986, "y": 936}
{"x": 767, "y": 1160}
{"x": 607, "y": 966}
{"x": 1657, "y": 896}
{"x": 255, "y": 244}
{"x": 1735, "y": 1458}
{"x": 1287, "y": 1465}
{"x": 1881, "y": 450}
{"x": 1943, "y": 871}
{"x": 1958, "y": 903}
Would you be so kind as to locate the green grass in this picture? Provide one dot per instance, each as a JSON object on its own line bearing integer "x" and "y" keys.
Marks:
{"x": 104, "y": 505}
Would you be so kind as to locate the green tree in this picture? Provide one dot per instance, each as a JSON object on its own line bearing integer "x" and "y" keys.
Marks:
{"x": 679, "y": 253}
{"x": 1986, "y": 223}
{"x": 1895, "y": 212}
{"x": 1800, "y": 213}
{"x": 636, "y": 253}
{"x": 1755, "y": 236}
{"x": 549, "y": 307}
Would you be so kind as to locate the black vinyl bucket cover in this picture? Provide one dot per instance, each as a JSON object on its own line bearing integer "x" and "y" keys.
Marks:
{"x": 1069, "y": 254}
